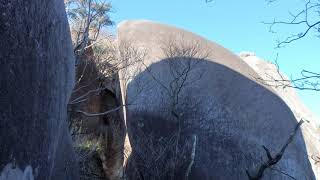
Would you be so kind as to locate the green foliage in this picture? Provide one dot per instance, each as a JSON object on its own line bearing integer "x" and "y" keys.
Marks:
{"x": 87, "y": 18}
{"x": 97, "y": 12}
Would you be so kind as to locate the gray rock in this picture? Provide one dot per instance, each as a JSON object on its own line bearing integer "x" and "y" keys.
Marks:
{"x": 11, "y": 172}
{"x": 231, "y": 115}
{"x": 310, "y": 129}
{"x": 36, "y": 79}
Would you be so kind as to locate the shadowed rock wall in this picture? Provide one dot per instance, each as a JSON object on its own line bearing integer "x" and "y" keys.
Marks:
{"x": 36, "y": 79}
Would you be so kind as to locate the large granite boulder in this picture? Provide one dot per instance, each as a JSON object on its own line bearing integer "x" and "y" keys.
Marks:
{"x": 266, "y": 73}
{"x": 36, "y": 76}
{"x": 194, "y": 110}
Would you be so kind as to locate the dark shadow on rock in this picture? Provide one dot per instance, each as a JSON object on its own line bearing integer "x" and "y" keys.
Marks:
{"x": 36, "y": 79}
{"x": 231, "y": 115}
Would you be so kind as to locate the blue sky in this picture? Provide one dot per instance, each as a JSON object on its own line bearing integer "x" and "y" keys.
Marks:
{"x": 236, "y": 25}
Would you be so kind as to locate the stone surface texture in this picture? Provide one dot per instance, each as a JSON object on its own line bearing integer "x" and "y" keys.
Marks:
{"x": 221, "y": 104}
{"x": 36, "y": 79}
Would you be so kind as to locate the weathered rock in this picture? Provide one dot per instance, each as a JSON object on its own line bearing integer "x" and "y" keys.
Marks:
{"x": 36, "y": 79}
{"x": 310, "y": 130}
{"x": 221, "y": 113}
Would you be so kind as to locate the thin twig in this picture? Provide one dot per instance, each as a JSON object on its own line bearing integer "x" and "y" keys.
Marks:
{"x": 100, "y": 114}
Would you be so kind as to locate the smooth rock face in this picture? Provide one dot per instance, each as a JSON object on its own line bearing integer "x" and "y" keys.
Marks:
{"x": 219, "y": 103}
{"x": 36, "y": 79}
{"x": 310, "y": 130}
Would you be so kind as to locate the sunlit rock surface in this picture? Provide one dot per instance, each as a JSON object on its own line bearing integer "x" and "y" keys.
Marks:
{"x": 221, "y": 104}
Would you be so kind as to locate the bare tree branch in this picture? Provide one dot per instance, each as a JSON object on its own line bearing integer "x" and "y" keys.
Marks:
{"x": 273, "y": 160}
{"x": 300, "y": 18}
{"x": 100, "y": 114}
{"x": 193, "y": 154}
{"x": 87, "y": 18}
{"x": 308, "y": 81}
{"x": 183, "y": 58}
{"x": 316, "y": 159}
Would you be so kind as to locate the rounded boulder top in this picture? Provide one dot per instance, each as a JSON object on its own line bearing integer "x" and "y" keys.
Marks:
{"x": 185, "y": 84}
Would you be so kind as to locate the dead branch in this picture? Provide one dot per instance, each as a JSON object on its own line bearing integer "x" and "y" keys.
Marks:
{"x": 299, "y": 18}
{"x": 193, "y": 154}
{"x": 316, "y": 158}
{"x": 75, "y": 101}
{"x": 272, "y": 160}
{"x": 101, "y": 114}
{"x": 308, "y": 81}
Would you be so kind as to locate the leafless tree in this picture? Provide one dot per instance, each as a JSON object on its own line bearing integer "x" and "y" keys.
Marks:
{"x": 99, "y": 59}
{"x": 87, "y": 18}
{"x": 108, "y": 63}
{"x": 168, "y": 155}
{"x": 93, "y": 48}
{"x": 183, "y": 57}
{"x": 308, "y": 18}
{"x": 308, "y": 80}
{"x": 89, "y": 91}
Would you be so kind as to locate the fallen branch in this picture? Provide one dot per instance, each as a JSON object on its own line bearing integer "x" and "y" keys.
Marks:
{"x": 273, "y": 160}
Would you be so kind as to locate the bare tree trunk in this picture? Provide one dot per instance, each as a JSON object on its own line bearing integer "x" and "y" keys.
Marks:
{"x": 36, "y": 76}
